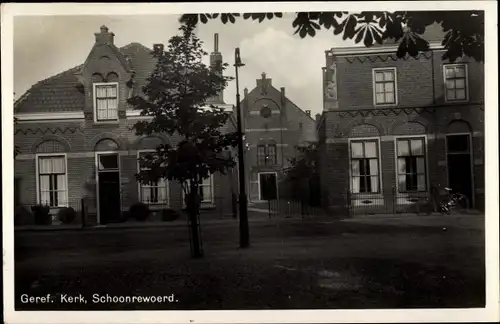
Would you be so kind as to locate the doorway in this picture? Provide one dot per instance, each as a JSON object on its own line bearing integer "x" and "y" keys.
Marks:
{"x": 459, "y": 162}
{"x": 268, "y": 186}
{"x": 108, "y": 188}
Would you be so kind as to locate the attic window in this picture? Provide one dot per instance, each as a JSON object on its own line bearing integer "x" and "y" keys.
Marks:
{"x": 106, "y": 101}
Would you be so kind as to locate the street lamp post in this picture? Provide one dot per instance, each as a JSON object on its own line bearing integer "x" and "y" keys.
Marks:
{"x": 244, "y": 230}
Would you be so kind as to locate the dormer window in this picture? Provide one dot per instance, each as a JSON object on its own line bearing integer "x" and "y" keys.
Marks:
{"x": 106, "y": 101}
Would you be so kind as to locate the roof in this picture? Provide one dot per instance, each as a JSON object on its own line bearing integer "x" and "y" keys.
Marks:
{"x": 433, "y": 33}
{"x": 63, "y": 92}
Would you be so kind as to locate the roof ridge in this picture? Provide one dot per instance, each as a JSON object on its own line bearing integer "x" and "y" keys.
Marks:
{"x": 134, "y": 43}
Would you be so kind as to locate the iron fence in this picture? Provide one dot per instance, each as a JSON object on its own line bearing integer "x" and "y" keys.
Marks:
{"x": 357, "y": 204}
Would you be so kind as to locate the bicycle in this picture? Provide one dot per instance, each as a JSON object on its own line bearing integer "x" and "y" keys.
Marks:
{"x": 454, "y": 199}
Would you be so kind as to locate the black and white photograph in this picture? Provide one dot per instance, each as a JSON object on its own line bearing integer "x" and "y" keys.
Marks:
{"x": 165, "y": 161}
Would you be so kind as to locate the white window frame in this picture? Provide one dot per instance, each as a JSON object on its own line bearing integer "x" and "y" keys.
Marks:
{"x": 97, "y": 171}
{"x": 378, "y": 141}
{"x": 94, "y": 97}
{"x": 445, "y": 89}
{"x": 276, "y": 179}
{"x": 140, "y": 185}
{"x": 374, "y": 87}
{"x": 38, "y": 193}
{"x": 426, "y": 163}
{"x": 212, "y": 191}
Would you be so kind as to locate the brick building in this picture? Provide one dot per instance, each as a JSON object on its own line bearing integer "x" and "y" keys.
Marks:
{"x": 273, "y": 126}
{"x": 75, "y": 138}
{"x": 394, "y": 129}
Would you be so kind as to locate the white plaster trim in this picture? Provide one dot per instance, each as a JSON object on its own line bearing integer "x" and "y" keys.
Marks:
{"x": 376, "y": 50}
{"x": 249, "y": 130}
{"x": 135, "y": 113}
{"x": 257, "y": 113}
{"x": 47, "y": 117}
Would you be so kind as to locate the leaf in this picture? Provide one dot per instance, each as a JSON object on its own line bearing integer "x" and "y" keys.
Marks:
{"x": 349, "y": 30}
{"x": 224, "y": 18}
{"x": 360, "y": 33}
{"x": 247, "y": 15}
{"x": 203, "y": 18}
{"x": 368, "y": 37}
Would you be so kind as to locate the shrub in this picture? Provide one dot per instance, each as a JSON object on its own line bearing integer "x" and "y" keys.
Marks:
{"x": 125, "y": 216}
{"x": 168, "y": 215}
{"x": 66, "y": 215}
{"x": 22, "y": 216}
{"x": 41, "y": 214}
{"x": 139, "y": 212}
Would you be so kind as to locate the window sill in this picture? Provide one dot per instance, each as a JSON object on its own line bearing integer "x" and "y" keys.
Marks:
{"x": 158, "y": 206}
{"x": 452, "y": 102}
{"x": 107, "y": 122}
{"x": 391, "y": 105}
{"x": 367, "y": 195}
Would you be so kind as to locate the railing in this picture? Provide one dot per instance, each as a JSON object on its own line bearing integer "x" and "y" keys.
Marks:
{"x": 357, "y": 204}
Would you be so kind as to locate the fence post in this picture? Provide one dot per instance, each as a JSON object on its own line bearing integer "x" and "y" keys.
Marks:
{"x": 83, "y": 212}
{"x": 394, "y": 200}
{"x": 269, "y": 207}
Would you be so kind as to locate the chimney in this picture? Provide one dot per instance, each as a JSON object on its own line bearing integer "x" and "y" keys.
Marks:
{"x": 318, "y": 117}
{"x": 158, "y": 47}
{"x": 216, "y": 63}
{"x": 104, "y": 37}
{"x": 263, "y": 83}
{"x": 308, "y": 113}
{"x": 245, "y": 92}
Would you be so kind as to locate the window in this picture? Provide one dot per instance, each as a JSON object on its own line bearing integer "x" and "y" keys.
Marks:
{"x": 364, "y": 167}
{"x": 455, "y": 76}
{"x": 271, "y": 154}
{"x": 411, "y": 165}
{"x": 261, "y": 155}
{"x": 52, "y": 179}
{"x": 154, "y": 192}
{"x": 385, "y": 88}
{"x": 106, "y": 101}
{"x": 266, "y": 154}
{"x": 205, "y": 190}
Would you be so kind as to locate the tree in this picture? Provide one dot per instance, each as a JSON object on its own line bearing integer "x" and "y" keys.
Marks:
{"x": 175, "y": 97}
{"x": 463, "y": 30}
{"x": 303, "y": 171}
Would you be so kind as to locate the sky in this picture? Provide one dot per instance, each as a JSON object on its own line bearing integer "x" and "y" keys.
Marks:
{"x": 47, "y": 45}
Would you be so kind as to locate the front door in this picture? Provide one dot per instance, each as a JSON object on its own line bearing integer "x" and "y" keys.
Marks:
{"x": 108, "y": 180}
{"x": 268, "y": 186}
{"x": 109, "y": 197}
{"x": 460, "y": 165}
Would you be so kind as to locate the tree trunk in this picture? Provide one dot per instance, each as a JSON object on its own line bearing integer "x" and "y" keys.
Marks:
{"x": 193, "y": 208}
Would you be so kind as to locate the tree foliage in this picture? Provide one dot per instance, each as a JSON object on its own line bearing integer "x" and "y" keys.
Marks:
{"x": 175, "y": 97}
{"x": 463, "y": 30}
{"x": 305, "y": 164}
